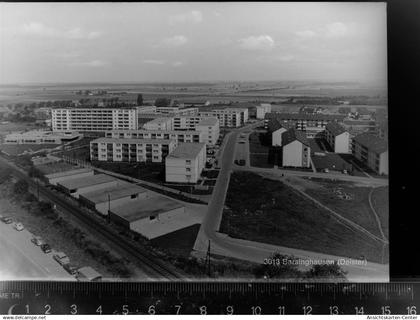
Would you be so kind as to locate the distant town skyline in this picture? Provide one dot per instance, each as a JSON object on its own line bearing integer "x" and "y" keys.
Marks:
{"x": 192, "y": 42}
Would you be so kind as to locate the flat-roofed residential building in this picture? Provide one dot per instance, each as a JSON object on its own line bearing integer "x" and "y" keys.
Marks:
{"x": 296, "y": 151}
{"x": 337, "y": 137}
{"x": 210, "y": 129}
{"x": 146, "y": 109}
{"x": 180, "y": 136}
{"x": 186, "y": 163}
{"x": 94, "y": 119}
{"x": 312, "y": 124}
{"x": 41, "y": 137}
{"x": 177, "y": 111}
{"x": 143, "y": 215}
{"x": 186, "y": 122}
{"x": 78, "y": 186}
{"x": 54, "y": 178}
{"x": 103, "y": 200}
{"x": 131, "y": 150}
{"x": 228, "y": 117}
{"x": 164, "y": 123}
{"x": 372, "y": 151}
{"x": 262, "y": 109}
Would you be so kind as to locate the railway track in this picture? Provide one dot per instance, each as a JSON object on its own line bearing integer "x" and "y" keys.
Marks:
{"x": 153, "y": 266}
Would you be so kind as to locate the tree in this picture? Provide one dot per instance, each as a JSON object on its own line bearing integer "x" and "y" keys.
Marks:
{"x": 162, "y": 102}
{"x": 139, "y": 99}
{"x": 326, "y": 271}
{"x": 21, "y": 187}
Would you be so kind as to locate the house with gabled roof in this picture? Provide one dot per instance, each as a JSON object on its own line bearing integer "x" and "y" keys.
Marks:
{"x": 337, "y": 137}
{"x": 296, "y": 150}
{"x": 372, "y": 151}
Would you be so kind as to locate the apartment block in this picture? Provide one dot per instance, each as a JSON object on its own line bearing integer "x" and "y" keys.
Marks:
{"x": 185, "y": 163}
{"x": 337, "y": 137}
{"x": 372, "y": 151}
{"x": 228, "y": 117}
{"x": 131, "y": 150}
{"x": 262, "y": 109}
{"x": 180, "y": 136}
{"x": 210, "y": 129}
{"x": 296, "y": 149}
{"x": 93, "y": 119}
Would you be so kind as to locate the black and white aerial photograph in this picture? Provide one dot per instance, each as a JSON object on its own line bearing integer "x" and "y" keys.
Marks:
{"x": 235, "y": 141}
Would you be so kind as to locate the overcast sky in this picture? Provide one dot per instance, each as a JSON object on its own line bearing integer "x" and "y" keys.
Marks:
{"x": 105, "y": 42}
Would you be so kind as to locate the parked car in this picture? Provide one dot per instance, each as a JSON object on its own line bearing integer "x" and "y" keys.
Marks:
{"x": 18, "y": 226}
{"x": 61, "y": 258}
{"x": 326, "y": 170}
{"x": 345, "y": 171}
{"x": 7, "y": 220}
{"x": 37, "y": 241}
{"x": 70, "y": 269}
{"x": 46, "y": 248}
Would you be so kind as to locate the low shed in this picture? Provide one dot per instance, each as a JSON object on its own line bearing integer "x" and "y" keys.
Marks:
{"x": 55, "y": 178}
{"x": 78, "y": 186}
{"x": 104, "y": 199}
{"x": 141, "y": 215}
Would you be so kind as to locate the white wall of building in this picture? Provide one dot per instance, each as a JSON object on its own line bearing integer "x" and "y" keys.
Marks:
{"x": 276, "y": 137}
{"x": 342, "y": 143}
{"x": 292, "y": 154}
{"x": 185, "y": 170}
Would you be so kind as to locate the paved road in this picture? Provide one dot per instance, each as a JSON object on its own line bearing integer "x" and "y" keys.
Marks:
{"x": 253, "y": 251}
{"x": 341, "y": 177}
{"x": 22, "y": 260}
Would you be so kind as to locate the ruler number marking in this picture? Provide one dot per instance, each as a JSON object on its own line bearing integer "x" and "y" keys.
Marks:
{"x": 203, "y": 310}
{"x": 386, "y": 309}
{"x": 178, "y": 308}
{"x": 359, "y": 310}
{"x": 411, "y": 310}
{"x": 282, "y": 309}
{"x": 47, "y": 308}
{"x": 229, "y": 310}
{"x": 27, "y": 308}
{"x": 307, "y": 310}
{"x": 125, "y": 310}
{"x": 256, "y": 310}
{"x": 152, "y": 310}
{"x": 333, "y": 310}
{"x": 73, "y": 308}
{"x": 99, "y": 310}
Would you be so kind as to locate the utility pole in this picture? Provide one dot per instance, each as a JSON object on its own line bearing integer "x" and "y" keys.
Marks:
{"x": 109, "y": 208}
{"x": 208, "y": 261}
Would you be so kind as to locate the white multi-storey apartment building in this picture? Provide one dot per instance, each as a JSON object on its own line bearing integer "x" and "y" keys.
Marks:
{"x": 337, "y": 137}
{"x": 262, "y": 109}
{"x": 228, "y": 117}
{"x": 131, "y": 150}
{"x": 93, "y": 119}
{"x": 185, "y": 163}
{"x": 209, "y": 127}
{"x": 372, "y": 151}
{"x": 180, "y": 136}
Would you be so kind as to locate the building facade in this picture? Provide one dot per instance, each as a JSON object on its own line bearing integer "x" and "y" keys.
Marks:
{"x": 262, "y": 109}
{"x": 372, "y": 151}
{"x": 337, "y": 137}
{"x": 228, "y": 117}
{"x": 131, "y": 150}
{"x": 296, "y": 151}
{"x": 93, "y": 119}
{"x": 185, "y": 163}
{"x": 209, "y": 127}
{"x": 180, "y": 136}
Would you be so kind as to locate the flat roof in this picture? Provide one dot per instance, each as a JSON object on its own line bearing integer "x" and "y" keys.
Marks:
{"x": 208, "y": 121}
{"x": 89, "y": 273}
{"x": 86, "y": 181}
{"x": 187, "y": 150}
{"x": 132, "y": 140}
{"x": 121, "y": 190}
{"x": 143, "y": 208}
{"x": 67, "y": 173}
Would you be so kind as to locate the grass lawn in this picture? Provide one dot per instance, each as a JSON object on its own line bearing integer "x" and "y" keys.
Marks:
{"x": 55, "y": 167}
{"x": 268, "y": 211}
{"x": 153, "y": 172}
{"x": 380, "y": 201}
{"x": 180, "y": 242}
{"x": 82, "y": 153}
{"x": 356, "y": 209}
